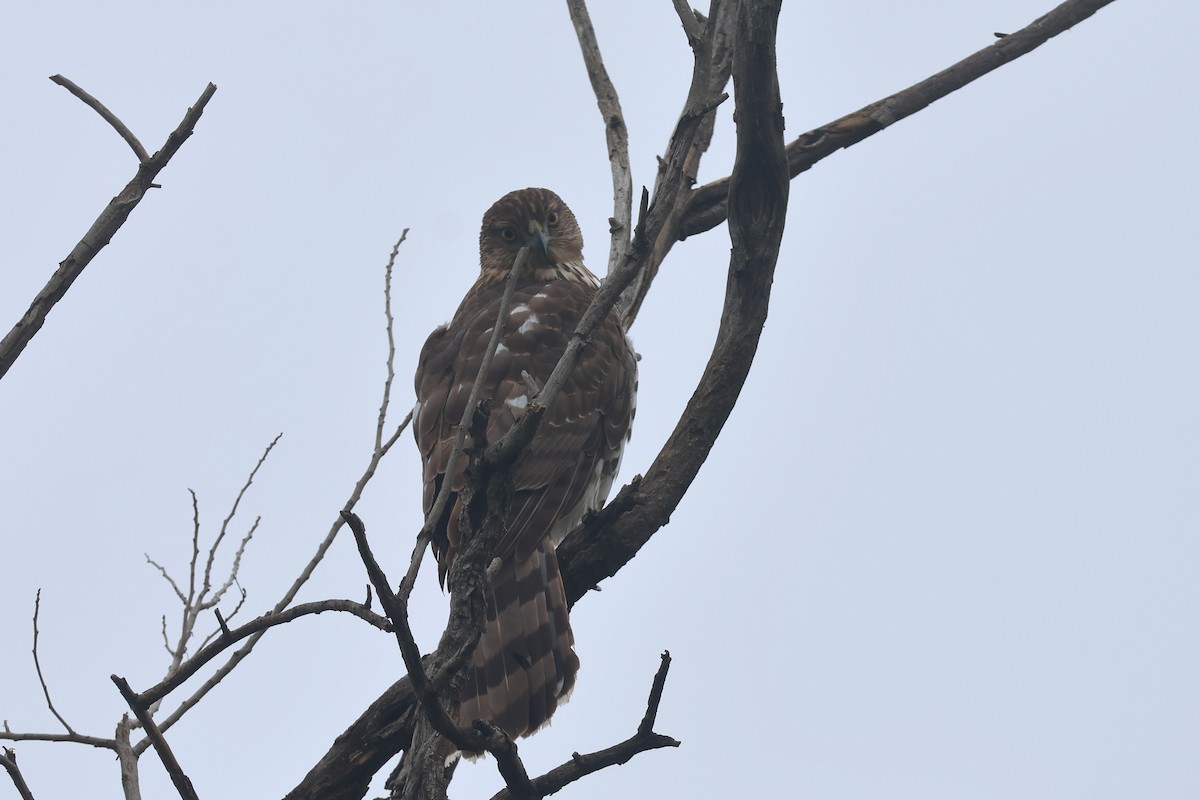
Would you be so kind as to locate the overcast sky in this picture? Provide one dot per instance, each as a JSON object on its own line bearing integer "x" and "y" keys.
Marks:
{"x": 945, "y": 548}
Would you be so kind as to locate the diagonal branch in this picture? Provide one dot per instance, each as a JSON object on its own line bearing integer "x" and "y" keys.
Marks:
{"x": 380, "y": 449}
{"x": 232, "y": 636}
{"x": 183, "y": 784}
{"x": 396, "y": 612}
{"x": 758, "y": 200}
{"x": 107, "y": 115}
{"x": 708, "y": 206}
{"x": 103, "y": 229}
{"x": 604, "y": 543}
{"x": 8, "y": 760}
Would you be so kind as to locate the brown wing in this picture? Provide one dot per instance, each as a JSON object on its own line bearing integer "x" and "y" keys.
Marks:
{"x": 570, "y": 465}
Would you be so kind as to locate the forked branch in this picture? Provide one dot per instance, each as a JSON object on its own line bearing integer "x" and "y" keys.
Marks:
{"x": 106, "y": 225}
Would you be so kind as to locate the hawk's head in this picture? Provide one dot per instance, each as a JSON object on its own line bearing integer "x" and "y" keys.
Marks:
{"x": 537, "y": 218}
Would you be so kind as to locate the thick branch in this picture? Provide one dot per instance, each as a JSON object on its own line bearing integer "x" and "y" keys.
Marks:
{"x": 608, "y": 540}
{"x": 759, "y": 189}
{"x": 102, "y": 230}
{"x": 708, "y": 206}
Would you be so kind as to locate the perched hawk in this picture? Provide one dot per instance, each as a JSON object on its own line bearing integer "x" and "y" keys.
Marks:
{"x": 525, "y": 662}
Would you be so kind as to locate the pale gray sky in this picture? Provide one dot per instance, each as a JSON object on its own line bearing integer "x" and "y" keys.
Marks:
{"x": 946, "y": 547}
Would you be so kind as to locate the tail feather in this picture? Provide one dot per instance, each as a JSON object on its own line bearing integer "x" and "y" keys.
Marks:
{"x": 525, "y": 662}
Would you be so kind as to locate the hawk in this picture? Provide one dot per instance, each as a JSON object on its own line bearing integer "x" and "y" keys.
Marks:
{"x": 525, "y": 662}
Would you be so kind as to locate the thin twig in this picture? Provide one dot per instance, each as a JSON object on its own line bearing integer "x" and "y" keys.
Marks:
{"x": 708, "y": 205}
{"x": 70, "y": 738}
{"x": 8, "y": 759}
{"x": 37, "y": 664}
{"x": 579, "y": 766}
{"x": 183, "y": 784}
{"x": 212, "y": 551}
{"x": 377, "y": 454}
{"x": 391, "y": 339}
{"x": 108, "y": 116}
{"x": 231, "y": 636}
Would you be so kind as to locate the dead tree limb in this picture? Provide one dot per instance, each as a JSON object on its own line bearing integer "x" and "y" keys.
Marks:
{"x": 183, "y": 784}
{"x": 8, "y": 760}
{"x": 106, "y": 225}
{"x": 708, "y": 206}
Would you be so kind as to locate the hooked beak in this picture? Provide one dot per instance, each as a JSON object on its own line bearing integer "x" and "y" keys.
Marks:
{"x": 538, "y": 238}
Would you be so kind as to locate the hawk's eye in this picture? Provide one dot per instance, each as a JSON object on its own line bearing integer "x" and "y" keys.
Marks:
{"x": 552, "y": 218}
{"x": 508, "y": 235}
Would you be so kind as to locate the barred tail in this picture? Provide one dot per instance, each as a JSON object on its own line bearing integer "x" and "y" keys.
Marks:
{"x": 525, "y": 662}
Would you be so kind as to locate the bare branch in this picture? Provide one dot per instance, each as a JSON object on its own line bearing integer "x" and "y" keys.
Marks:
{"x": 253, "y": 628}
{"x": 232, "y": 580}
{"x": 108, "y": 116}
{"x": 510, "y": 766}
{"x": 100, "y": 234}
{"x": 377, "y": 455}
{"x": 72, "y": 738}
{"x": 8, "y": 759}
{"x": 130, "y": 781}
{"x": 582, "y": 765}
{"x": 391, "y": 339}
{"x": 680, "y": 164}
{"x": 615, "y": 133}
{"x": 183, "y": 783}
{"x": 759, "y": 202}
{"x": 708, "y": 207}
{"x": 37, "y": 664}
{"x": 656, "y": 691}
{"x": 398, "y": 614}
{"x": 212, "y": 551}
{"x": 692, "y": 21}
{"x": 167, "y": 577}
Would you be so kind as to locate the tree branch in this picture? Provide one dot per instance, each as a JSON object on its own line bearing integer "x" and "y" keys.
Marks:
{"x": 252, "y": 628}
{"x": 130, "y": 781}
{"x": 8, "y": 759}
{"x": 606, "y": 541}
{"x": 107, "y": 115}
{"x": 615, "y": 133}
{"x": 183, "y": 784}
{"x": 72, "y": 738}
{"x": 580, "y": 766}
{"x": 378, "y": 452}
{"x": 409, "y": 651}
{"x": 103, "y": 229}
{"x": 37, "y": 664}
{"x": 708, "y": 206}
